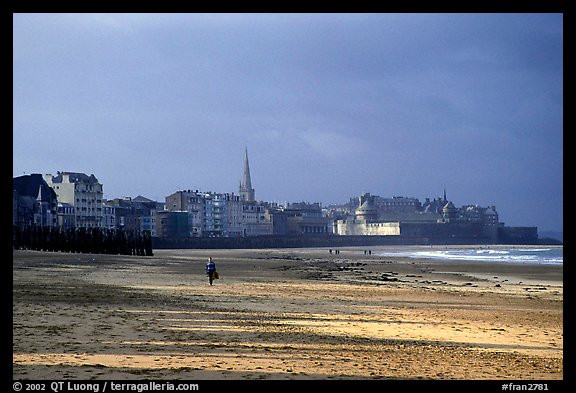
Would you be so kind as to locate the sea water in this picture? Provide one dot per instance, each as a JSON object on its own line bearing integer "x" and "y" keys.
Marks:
{"x": 544, "y": 255}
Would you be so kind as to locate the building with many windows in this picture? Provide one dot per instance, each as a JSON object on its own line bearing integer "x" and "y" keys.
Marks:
{"x": 213, "y": 214}
{"x": 127, "y": 213}
{"x": 438, "y": 219}
{"x": 255, "y": 221}
{"x": 83, "y": 192}
{"x": 66, "y": 216}
{"x": 192, "y": 203}
{"x": 306, "y": 219}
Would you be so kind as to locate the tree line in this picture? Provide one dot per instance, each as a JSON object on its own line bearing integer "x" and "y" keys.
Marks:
{"x": 82, "y": 240}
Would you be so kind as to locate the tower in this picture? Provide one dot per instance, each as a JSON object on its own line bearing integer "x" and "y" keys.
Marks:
{"x": 366, "y": 210}
{"x": 246, "y": 190}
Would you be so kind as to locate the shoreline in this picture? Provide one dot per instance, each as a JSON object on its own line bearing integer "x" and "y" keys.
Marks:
{"x": 283, "y": 314}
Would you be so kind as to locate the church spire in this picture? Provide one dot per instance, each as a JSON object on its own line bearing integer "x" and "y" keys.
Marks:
{"x": 246, "y": 190}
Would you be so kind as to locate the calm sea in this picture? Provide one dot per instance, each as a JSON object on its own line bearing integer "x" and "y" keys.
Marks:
{"x": 553, "y": 255}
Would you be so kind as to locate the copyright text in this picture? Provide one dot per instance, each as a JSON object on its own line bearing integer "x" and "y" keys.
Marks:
{"x": 101, "y": 387}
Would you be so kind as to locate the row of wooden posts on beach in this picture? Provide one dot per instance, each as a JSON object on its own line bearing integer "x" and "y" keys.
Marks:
{"x": 82, "y": 240}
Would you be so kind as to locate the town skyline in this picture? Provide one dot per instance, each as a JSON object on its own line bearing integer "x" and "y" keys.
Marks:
{"x": 246, "y": 193}
{"x": 328, "y": 105}
{"x": 335, "y": 201}
{"x": 71, "y": 200}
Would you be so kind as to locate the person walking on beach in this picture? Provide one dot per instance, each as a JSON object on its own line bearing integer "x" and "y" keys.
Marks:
{"x": 211, "y": 270}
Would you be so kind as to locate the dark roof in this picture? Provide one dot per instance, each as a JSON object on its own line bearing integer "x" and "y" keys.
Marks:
{"x": 29, "y": 185}
{"x": 26, "y": 202}
{"x": 140, "y": 198}
{"x": 75, "y": 177}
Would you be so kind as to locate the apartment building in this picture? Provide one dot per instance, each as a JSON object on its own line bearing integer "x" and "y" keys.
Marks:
{"x": 192, "y": 203}
{"x": 83, "y": 192}
{"x": 127, "y": 213}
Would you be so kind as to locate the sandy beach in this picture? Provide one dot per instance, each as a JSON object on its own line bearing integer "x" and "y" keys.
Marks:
{"x": 284, "y": 314}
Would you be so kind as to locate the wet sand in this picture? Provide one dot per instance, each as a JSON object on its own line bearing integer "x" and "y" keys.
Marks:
{"x": 283, "y": 314}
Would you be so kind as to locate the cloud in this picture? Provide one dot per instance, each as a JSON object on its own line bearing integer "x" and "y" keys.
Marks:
{"x": 332, "y": 145}
{"x": 466, "y": 100}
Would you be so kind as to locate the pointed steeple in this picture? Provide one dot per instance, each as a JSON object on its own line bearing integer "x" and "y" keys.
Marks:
{"x": 246, "y": 181}
{"x": 39, "y": 196}
{"x": 246, "y": 190}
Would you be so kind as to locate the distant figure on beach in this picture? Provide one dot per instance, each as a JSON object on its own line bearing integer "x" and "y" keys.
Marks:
{"x": 211, "y": 270}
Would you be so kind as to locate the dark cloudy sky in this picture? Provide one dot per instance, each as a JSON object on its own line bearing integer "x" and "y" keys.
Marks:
{"x": 328, "y": 105}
